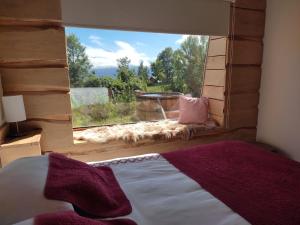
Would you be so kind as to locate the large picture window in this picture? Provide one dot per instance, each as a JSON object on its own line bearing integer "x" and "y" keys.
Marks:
{"x": 125, "y": 77}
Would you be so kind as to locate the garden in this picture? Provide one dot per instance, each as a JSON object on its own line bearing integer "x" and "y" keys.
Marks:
{"x": 112, "y": 99}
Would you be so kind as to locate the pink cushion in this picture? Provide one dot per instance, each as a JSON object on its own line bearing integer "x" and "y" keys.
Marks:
{"x": 193, "y": 110}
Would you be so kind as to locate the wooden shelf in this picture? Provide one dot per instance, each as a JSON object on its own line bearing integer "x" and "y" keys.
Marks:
{"x": 25, "y": 146}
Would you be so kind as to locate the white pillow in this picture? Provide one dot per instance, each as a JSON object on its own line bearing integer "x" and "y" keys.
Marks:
{"x": 21, "y": 191}
{"x": 26, "y": 222}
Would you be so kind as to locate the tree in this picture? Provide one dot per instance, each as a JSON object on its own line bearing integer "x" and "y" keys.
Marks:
{"x": 124, "y": 73}
{"x": 166, "y": 58}
{"x": 79, "y": 64}
{"x": 142, "y": 72}
{"x": 157, "y": 72}
{"x": 91, "y": 81}
{"x": 194, "y": 52}
{"x": 127, "y": 81}
{"x": 178, "y": 80}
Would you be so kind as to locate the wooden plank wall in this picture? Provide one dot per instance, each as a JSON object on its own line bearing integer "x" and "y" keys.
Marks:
{"x": 233, "y": 67}
{"x": 33, "y": 63}
{"x": 243, "y": 63}
{"x": 215, "y": 77}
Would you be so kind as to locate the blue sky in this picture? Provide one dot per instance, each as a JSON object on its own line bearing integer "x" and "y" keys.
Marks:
{"x": 103, "y": 47}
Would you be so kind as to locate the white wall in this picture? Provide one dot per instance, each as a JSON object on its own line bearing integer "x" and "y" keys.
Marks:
{"x": 279, "y": 107}
{"x": 171, "y": 16}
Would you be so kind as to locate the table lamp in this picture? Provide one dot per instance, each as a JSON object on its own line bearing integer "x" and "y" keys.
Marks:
{"x": 14, "y": 110}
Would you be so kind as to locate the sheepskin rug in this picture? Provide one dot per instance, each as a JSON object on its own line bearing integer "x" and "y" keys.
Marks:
{"x": 132, "y": 133}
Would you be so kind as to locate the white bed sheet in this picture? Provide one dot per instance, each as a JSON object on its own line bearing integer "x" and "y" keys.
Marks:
{"x": 161, "y": 195}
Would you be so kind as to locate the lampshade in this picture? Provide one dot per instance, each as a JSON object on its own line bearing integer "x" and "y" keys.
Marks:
{"x": 14, "y": 109}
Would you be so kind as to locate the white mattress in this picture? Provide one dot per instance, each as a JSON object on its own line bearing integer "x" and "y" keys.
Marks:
{"x": 162, "y": 195}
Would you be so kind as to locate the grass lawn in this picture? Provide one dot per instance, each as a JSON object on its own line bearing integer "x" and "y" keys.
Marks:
{"x": 103, "y": 114}
{"x": 157, "y": 88}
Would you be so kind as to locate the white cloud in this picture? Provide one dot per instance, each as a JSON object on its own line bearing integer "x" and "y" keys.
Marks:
{"x": 96, "y": 40}
{"x": 104, "y": 58}
{"x": 182, "y": 39}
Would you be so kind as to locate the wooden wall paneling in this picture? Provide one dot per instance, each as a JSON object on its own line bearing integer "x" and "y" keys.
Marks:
{"x": 243, "y": 118}
{"x": 243, "y": 63}
{"x": 218, "y": 119}
{"x": 48, "y": 107}
{"x": 217, "y": 47}
{"x": 96, "y": 152}
{"x": 215, "y": 77}
{"x": 215, "y": 62}
{"x": 245, "y": 79}
{"x": 245, "y": 52}
{"x": 18, "y": 81}
{"x": 55, "y": 134}
{"x": 251, "y": 4}
{"x": 248, "y": 22}
{"x": 213, "y": 92}
{"x": 216, "y": 107}
{"x": 31, "y": 9}
{"x": 215, "y": 37}
{"x": 244, "y": 101}
{"x": 32, "y": 47}
{"x": 4, "y": 129}
{"x": 2, "y": 119}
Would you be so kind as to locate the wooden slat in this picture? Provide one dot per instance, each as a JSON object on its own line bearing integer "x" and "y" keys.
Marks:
{"x": 216, "y": 107}
{"x": 215, "y": 77}
{"x": 48, "y": 107}
{"x": 55, "y": 135}
{"x": 31, "y": 9}
{"x": 7, "y": 21}
{"x": 2, "y": 119}
{"x": 248, "y": 23}
{"x": 25, "y": 80}
{"x": 215, "y": 37}
{"x": 246, "y": 52}
{"x": 245, "y": 79}
{"x": 4, "y": 129}
{"x": 213, "y": 92}
{"x": 244, "y": 101}
{"x": 251, "y": 4}
{"x": 243, "y": 118}
{"x": 215, "y": 63}
{"x": 217, "y": 47}
{"x": 31, "y": 45}
{"x": 218, "y": 119}
{"x": 95, "y": 152}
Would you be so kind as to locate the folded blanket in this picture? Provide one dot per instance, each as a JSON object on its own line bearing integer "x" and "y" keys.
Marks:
{"x": 93, "y": 190}
{"x": 261, "y": 186}
{"x": 71, "y": 218}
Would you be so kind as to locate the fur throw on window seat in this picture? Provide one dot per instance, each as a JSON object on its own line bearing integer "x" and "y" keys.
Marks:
{"x": 132, "y": 133}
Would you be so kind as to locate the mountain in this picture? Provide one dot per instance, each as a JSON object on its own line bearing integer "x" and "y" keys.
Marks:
{"x": 109, "y": 71}
{"x": 106, "y": 71}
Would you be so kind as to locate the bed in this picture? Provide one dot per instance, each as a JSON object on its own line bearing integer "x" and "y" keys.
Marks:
{"x": 227, "y": 183}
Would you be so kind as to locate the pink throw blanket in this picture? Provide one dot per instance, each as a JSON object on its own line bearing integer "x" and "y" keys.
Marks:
{"x": 261, "y": 186}
{"x": 71, "y": 218}
{"x": 93, "y": 190}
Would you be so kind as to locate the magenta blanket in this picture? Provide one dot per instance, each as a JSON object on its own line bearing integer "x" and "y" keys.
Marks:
{"x": 93, "y": 190}
{"x": 262, "y": 187}
{"x": 71, "y": 218}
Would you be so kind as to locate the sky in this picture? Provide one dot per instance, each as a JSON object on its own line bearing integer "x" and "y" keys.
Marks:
{"x": 104, "y": 47}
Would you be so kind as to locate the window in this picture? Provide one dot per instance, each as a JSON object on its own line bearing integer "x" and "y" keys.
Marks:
{"x": 125, "y": 77}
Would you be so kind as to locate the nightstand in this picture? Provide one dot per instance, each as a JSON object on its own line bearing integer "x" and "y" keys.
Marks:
{"x": 25, "y": 146}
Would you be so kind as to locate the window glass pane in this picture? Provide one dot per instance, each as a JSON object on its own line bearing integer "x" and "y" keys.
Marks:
{"x": 125, "y": 77}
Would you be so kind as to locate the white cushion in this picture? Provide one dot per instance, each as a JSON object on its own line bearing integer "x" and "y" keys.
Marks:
{"x": 21, "y": 191}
